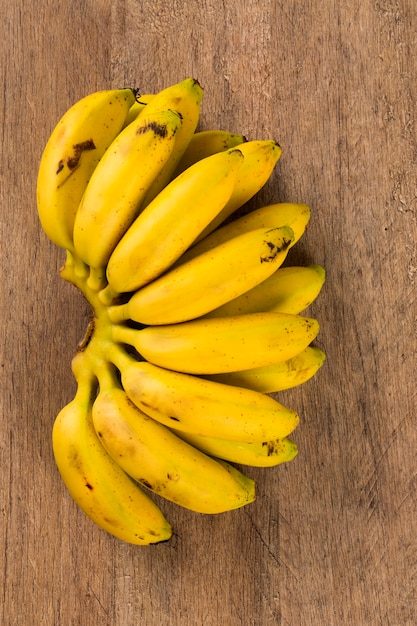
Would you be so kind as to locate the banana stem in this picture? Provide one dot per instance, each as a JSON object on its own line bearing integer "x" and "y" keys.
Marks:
{"x": 84, "y": 376}
{"x": 119, "y": 357}
{"x": 123, "y": 334}
{"x": 86, "y": 391}
{"x": 92, "y": 356}
{"x": 97, "y": 281}
{"x": 108, "y": 295}
{"x": 74, "y": 270}
{"x": 96, "y": 349}
{"x": 107, "y": 375}
{"x": 118, "y": 313}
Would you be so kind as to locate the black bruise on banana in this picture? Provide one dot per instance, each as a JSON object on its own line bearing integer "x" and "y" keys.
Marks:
{"x": 272, "y": 447}
{"x": 159, "y": 129}
{"x": 73, "y": 161}
{"x": 275, "y": 250}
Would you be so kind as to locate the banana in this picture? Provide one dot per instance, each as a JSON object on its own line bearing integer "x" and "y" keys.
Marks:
{"x": 72, "y": 153}
{"x": 205, "y": 143}
{"x": 193, "y": 323}
{"x": 160, "y": 460}
{"x": 260, "y": 158}
{"x": 96, "y": 483}
{"x": 116, "y": 190}
{"x": 255, "y": 453}
{"x": 209, "y": 280}
{"x": 184, "y": 97}
{"x": 137, "y": 107}
{"x": 296, "y": 216}
{"x": 289, "y": 290}
{"x": 218, "y": 345}
{"x": 171, "y": 222}
{"x": 203, "y": 407}
{"x": 278, "y": 376}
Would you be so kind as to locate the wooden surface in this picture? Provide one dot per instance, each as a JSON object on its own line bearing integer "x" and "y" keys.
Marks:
{"x": 331, "y": 539}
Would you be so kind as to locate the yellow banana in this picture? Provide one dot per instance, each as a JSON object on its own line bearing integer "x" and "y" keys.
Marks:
{"x": 223, "y": 344}
{"x": 289, "y": 290}
{"x": 277, "y": 376}
{"x": 205, "y": 143}
{"x": 192, "y": 325}
{"x": 71, "y": 154}
{"x": 184, "y": 97}
{"x": 160, "y": 460}
{"x": 203, "y": 407}
{"x": 260, "y": 158}
{"x": 255, "y": 453}
{"x": 119, "y": 184}
{"x": 296, "y": 216}
{"x": 209, "y": 280}
{"x": 171, "y": 222}
{"x": 97, "y": 484}
{"x": 137, "y": 107}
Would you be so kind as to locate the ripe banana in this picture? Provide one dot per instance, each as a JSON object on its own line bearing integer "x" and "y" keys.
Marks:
{"x": 209, "y": 280}
{"x": 260, "y": 158}
{"x": 277, "y": 376}
{"x": 72, "y": 153}
{"x": 157, "y": 458}
{"x": 97, "y": 484}
{"x": 184, "y": 97}
{"x": 205, "y": 143}
{"x": 119, "y": 184}
{"x": 289, "y": 290}
{"x": 171, "y": 222}
{"x": 296, "y": 216}
{"x": 203, "y": 407}
{"x": 194, "y": 322}
{"x": 255, "y": 453}
{"x": 226, "y": 344}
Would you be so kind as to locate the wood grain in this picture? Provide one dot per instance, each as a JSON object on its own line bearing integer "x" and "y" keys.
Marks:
{"x": 331, "y": 539}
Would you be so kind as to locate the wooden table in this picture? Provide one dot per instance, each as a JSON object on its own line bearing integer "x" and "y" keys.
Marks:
{"x": 331, "y": 539}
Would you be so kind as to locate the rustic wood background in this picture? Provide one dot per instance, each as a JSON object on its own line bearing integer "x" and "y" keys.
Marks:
{"x": 331, "y": 539}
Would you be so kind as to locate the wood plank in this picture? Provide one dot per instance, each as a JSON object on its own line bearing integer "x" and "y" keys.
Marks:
{"x": 331, "y": 538}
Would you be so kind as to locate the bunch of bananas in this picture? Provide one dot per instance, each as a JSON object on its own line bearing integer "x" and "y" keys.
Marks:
{"x": 194, "y": 320}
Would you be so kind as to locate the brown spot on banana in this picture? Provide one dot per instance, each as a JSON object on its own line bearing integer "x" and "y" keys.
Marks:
{"x": 87, "y": 337}
{"x": 274, "y": 250}
{"x": 73, "y": 161}
{"x": 160, "y": 130}
{"x": 79, "y": 148}
{"x": 272, "y": 447}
